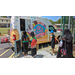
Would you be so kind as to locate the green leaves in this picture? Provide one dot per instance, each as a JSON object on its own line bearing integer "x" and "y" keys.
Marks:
{"x": 59, "y": 20}
{"x": 51, "y": 21}
{"x": 4, "y": 16}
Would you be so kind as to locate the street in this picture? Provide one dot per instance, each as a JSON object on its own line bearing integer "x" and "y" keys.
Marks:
{"x": 7, "y": 52}
{"x": 5, "y": 49}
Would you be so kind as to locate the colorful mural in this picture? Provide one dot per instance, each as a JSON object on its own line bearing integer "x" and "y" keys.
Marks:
{"x": 39, "y": 28}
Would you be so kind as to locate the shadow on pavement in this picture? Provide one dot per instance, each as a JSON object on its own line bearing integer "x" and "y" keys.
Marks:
{"x": 39, "y": 56}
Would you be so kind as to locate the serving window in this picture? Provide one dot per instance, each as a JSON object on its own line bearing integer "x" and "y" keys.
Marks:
{"x": 22, "y": 24}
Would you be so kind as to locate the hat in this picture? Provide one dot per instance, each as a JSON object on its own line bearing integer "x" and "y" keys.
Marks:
{"x": 52, "y": 31}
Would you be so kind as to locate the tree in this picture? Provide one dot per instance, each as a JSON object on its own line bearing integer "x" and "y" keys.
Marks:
{"x": 51, "y": 21}
{"x": 4, "y": 16}
{"x": 59, "y": 20}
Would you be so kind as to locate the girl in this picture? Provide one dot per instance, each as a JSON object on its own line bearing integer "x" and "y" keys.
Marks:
{"x": 33, "y": 44}
{"x": 25, "y": 41}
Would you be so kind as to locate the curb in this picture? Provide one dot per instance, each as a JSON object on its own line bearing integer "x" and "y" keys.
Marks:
{"x": 4, "y": 36}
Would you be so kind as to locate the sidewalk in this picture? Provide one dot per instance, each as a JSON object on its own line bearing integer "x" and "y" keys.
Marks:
{"x": 2, "y": 36}
{"x": 43, "y": 53}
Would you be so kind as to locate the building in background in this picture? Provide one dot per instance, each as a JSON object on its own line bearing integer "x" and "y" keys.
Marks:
{"x": 4, "y": 22}
{"x": 58, "y": 26}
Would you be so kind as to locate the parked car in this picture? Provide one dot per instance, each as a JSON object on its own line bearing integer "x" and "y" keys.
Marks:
{"x": 59, "y": 30}
{"x": 9, "y": 32}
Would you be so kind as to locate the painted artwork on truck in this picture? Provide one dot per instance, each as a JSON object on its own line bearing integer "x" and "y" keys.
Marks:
{"x": 39, "y": 28}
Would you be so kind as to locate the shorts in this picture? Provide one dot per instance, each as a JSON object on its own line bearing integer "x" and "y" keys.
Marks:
{"x": 52, "y": 45}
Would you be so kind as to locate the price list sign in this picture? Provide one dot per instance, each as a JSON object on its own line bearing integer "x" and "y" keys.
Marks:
{"x": 18, "y": 47}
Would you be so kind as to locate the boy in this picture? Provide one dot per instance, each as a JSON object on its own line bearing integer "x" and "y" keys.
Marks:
{"x": 53, "y": 41}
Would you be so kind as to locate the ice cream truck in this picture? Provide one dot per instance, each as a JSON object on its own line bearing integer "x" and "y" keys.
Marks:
{"x": 39, "y": 25}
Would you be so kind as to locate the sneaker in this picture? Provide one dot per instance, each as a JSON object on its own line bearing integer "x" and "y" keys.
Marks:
{"x": 31, "y": 57}
{"x": 52, "y": 54}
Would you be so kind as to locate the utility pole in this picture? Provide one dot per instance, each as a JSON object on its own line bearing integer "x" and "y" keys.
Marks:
{"x": 61, "y": 27}
{"x": 63, "y": 23}
{"x": 69, "y": 23}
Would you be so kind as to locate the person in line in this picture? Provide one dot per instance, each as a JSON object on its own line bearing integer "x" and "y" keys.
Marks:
{"x": 25, "y": 41}
{"x": 33, "y": 44}
{"x": 53, "y": 41}
{"x": 66, "y": 38}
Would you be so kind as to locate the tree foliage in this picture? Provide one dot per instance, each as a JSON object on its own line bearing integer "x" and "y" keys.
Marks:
{"x": 4, "y": 16}
{"x": 59, "y": 20}
{"x": 51, "y": 21}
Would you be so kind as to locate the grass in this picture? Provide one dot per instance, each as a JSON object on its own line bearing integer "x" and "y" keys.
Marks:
{"x": 4, "y": 31}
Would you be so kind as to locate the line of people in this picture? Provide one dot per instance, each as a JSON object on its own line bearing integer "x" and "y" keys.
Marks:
{"x": 67, "y": 45}
{"x": 25, "y": 42}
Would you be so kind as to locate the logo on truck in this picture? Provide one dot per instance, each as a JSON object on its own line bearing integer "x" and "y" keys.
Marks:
{"x": 39, "y": 30}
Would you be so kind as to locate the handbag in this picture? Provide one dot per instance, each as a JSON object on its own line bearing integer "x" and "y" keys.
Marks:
{"x": 63, "y": 50}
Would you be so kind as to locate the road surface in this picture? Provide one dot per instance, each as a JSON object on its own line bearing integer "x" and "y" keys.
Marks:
{"x": 7, "y": 52}
{"x": 5, "y": 49}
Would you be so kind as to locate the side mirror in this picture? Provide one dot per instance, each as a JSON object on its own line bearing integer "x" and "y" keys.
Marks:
{"x": 52, "y": 28}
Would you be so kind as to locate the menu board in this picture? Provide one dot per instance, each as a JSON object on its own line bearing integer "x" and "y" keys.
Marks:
{"x": 18, "y": 46}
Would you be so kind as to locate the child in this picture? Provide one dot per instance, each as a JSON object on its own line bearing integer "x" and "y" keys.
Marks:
{"x": 25, "y": 41}
{"x": 33, "y": 44}
{"x": 52, "y": 41}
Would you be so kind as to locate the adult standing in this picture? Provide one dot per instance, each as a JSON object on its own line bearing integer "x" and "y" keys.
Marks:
{"x": 67, "y": 39}
{"x": 25, "y": 41}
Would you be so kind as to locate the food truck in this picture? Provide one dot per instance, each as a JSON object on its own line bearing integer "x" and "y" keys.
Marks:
{"x": 39, "y": 25}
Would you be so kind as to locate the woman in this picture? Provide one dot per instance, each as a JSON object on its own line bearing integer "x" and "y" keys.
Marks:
{"x": 25, "y": 41}
{"x": 33, "y": 44}
{"x": 67, "y": 43}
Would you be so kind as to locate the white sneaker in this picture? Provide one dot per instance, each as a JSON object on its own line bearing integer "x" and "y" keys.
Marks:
{"x": 31, "y": 57}
{"x": 52, "y": 54}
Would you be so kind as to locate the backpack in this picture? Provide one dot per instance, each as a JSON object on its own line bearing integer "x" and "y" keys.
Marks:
{"x": 33, "y": 43}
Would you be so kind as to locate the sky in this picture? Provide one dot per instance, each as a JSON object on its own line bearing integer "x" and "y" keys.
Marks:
{"x": 54, "y": 18}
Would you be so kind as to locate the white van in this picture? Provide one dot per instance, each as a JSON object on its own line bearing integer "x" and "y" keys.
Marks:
{"x": 30, "y": 23}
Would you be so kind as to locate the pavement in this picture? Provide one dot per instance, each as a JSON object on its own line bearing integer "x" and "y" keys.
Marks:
{"x": 5, "y": 49}
{"x": 7, "y": 52}
{"x": 6, "y": 35}
{"x": 41, "y": 53}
